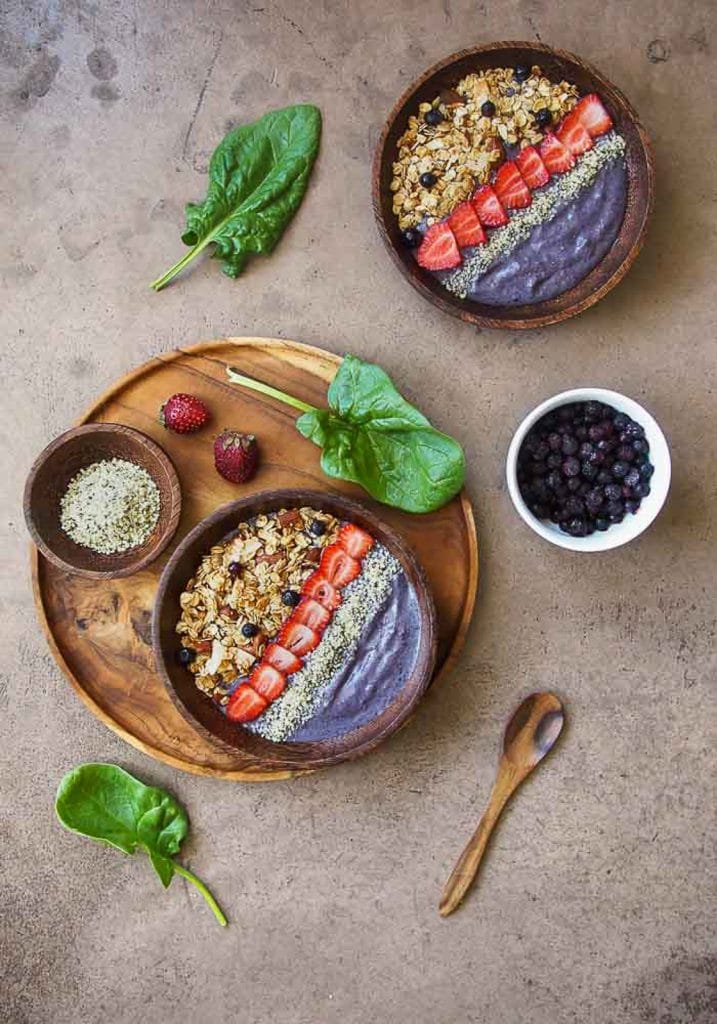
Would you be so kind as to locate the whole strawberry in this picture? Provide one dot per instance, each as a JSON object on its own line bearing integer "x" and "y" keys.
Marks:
{"x": 183, "y": 414}
{"x": 236, "y": 456}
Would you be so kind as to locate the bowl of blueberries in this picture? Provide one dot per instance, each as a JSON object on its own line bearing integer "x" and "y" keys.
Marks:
{"x": 588, "y": 469}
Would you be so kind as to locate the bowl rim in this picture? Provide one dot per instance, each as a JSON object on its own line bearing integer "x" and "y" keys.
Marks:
{"x": 283, "y": 755}
{"x": 448, "y": 303}
{"x": 168, "y": 530}
{"x": 616, "y": 536}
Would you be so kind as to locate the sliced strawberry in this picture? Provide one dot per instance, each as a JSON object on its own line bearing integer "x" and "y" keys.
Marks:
{"x": 312, "y": 614}
{"x": 466, "y": 227}
{"x": 297, "y": 638}
{"x": 245, "y": 704}
{"x": 355, "y": 541}
{"x": 268, "y": 681}
{"x": 593, "y": 115}
{"x": 318, "y": 587}
{"x": 573, "y": 134}
{"x": 338, "y": 567}
{"x": 534, "y": 171}
{"x": 487, "y": 205}
{"x": 278, "y": 657}
{"x": 439, "y": 250}
{"x": 556, "y": 157}
{"x": 510, "y": 187}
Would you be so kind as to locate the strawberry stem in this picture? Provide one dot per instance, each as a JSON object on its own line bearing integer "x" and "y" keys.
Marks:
{"x": 266, "y": 389}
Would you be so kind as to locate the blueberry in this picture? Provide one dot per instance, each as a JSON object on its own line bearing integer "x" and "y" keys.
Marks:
{"x": 593, "y": 499}
{"x": 554, "y": 461}
{"x": 596, "y": 432}
{"x": 234, "y": 569}
{"x": 249, "y": 630}
{"x": 586, "y": 449}
{"x": 601, "y": 523}
{"x": 538, "y": 510}
{"x": 605, "y": 445}
{"x": 576, "y": 527}
{"x": 574, "y": 506}
{"x": 584, "y": 487}
{"x": 543, "y": 117}
{"x": 554, "y": 480}
{"x": 588, "y": 470}
{"x": 433, "y": 116}
{"x": 634, "y": 430}
{"x": 573, "y": 484}
{"x": 603, "y": 477}
{"x": 642, "y": 489}
{"x": 615, "y": 507}
{"x": 411, "y": 238}
{"x": 647, "y": 470}
{"x": 594, "y": 411}
{"x": 487, "y": 109}
{"x": 620, "y": 469}
{"x": 428, "y": 180}
{"x": 186, "y": 655}
{"x": 541, "y": 451}
{"x": 290, "y": 598}
{"x": 632, "y": 505}
{"x": 613, "y": 492}
{"x": 571, "y": 466}
{"x": 317, "y": 527}
{"x": 620, "y": 420}
{"x": 554, "y": 441}
{"x": 616, "y": 517}
{"x": 641, "y": 446}
{"x": 625, "y": 453}
{"x": 570, "y": 445}
{"x": 633, "y": 477}
{"x": 565, "y": 413}
{"x": 521, "y": 72}
{"x": 581, "y": 432}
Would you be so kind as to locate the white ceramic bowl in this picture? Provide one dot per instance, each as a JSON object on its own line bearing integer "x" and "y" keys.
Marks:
{"x": 632, "y": 525}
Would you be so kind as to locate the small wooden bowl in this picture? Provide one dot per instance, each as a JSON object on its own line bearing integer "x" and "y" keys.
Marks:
{"x": 61, "y": 461}
{"x": 202, "y": 713}
{"x": 556, "y": 64}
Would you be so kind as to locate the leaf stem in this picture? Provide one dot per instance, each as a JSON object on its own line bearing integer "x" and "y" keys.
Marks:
{"x": 179, "y": 265}
{"x": 199, "y": 884}
{"x": 266, "y": 389}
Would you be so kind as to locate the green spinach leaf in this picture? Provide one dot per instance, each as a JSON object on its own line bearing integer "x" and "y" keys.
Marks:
{"x": 372, "y": 436}
{"x": 107, "y": 804}
{"x": 257, "y": 178}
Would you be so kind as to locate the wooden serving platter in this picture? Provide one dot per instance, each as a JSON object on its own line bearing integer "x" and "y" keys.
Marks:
{"x": 99, "y": 630}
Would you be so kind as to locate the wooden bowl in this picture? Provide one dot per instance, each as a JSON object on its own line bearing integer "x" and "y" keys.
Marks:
{"x": 61, "y": 461}
{"x": 203, "y": 714}
{"x": 556, "y": 64}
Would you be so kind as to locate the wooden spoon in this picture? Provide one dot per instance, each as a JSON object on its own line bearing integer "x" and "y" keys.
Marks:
{"x": 529, "y": 735}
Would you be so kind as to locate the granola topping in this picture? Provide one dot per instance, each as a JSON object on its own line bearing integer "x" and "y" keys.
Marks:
{"x": 462, "y": 149}
{"x": 241, "y": 581}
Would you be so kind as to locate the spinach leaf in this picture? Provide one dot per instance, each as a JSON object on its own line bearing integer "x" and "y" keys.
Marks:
{"x": 107, "y": 804}
{"x": 372, "y": 436}
{"x": 257, "y": 178}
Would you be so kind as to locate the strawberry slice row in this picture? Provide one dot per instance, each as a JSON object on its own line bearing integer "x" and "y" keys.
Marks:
{"x": 513, "y": 184}
{"x": 301, "y": 633}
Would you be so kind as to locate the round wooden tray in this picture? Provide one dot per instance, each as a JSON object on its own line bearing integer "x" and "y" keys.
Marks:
{"x": 99, "y": 630}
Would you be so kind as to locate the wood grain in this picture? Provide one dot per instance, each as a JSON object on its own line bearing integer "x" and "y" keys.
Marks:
{"x": 100, "y": 632}
{"x": 55, "y": 467}
{"x": 557, "y": 64}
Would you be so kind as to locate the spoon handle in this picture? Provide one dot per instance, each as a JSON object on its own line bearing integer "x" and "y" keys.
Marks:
{"x": 466, "y": 868}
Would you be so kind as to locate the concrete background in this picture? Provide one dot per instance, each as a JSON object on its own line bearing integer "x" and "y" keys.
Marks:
{"x": 597, "y": 901}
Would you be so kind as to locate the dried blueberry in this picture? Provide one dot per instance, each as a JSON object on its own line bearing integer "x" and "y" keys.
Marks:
{"x": 570, "y": 445}
{"x": 186, "y": 655}
{"x": 571, "y": 466}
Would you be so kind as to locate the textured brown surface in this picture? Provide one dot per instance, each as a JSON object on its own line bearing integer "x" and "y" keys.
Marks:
{"x": 595, "y": 902}
{"x": 558, "y": 65}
